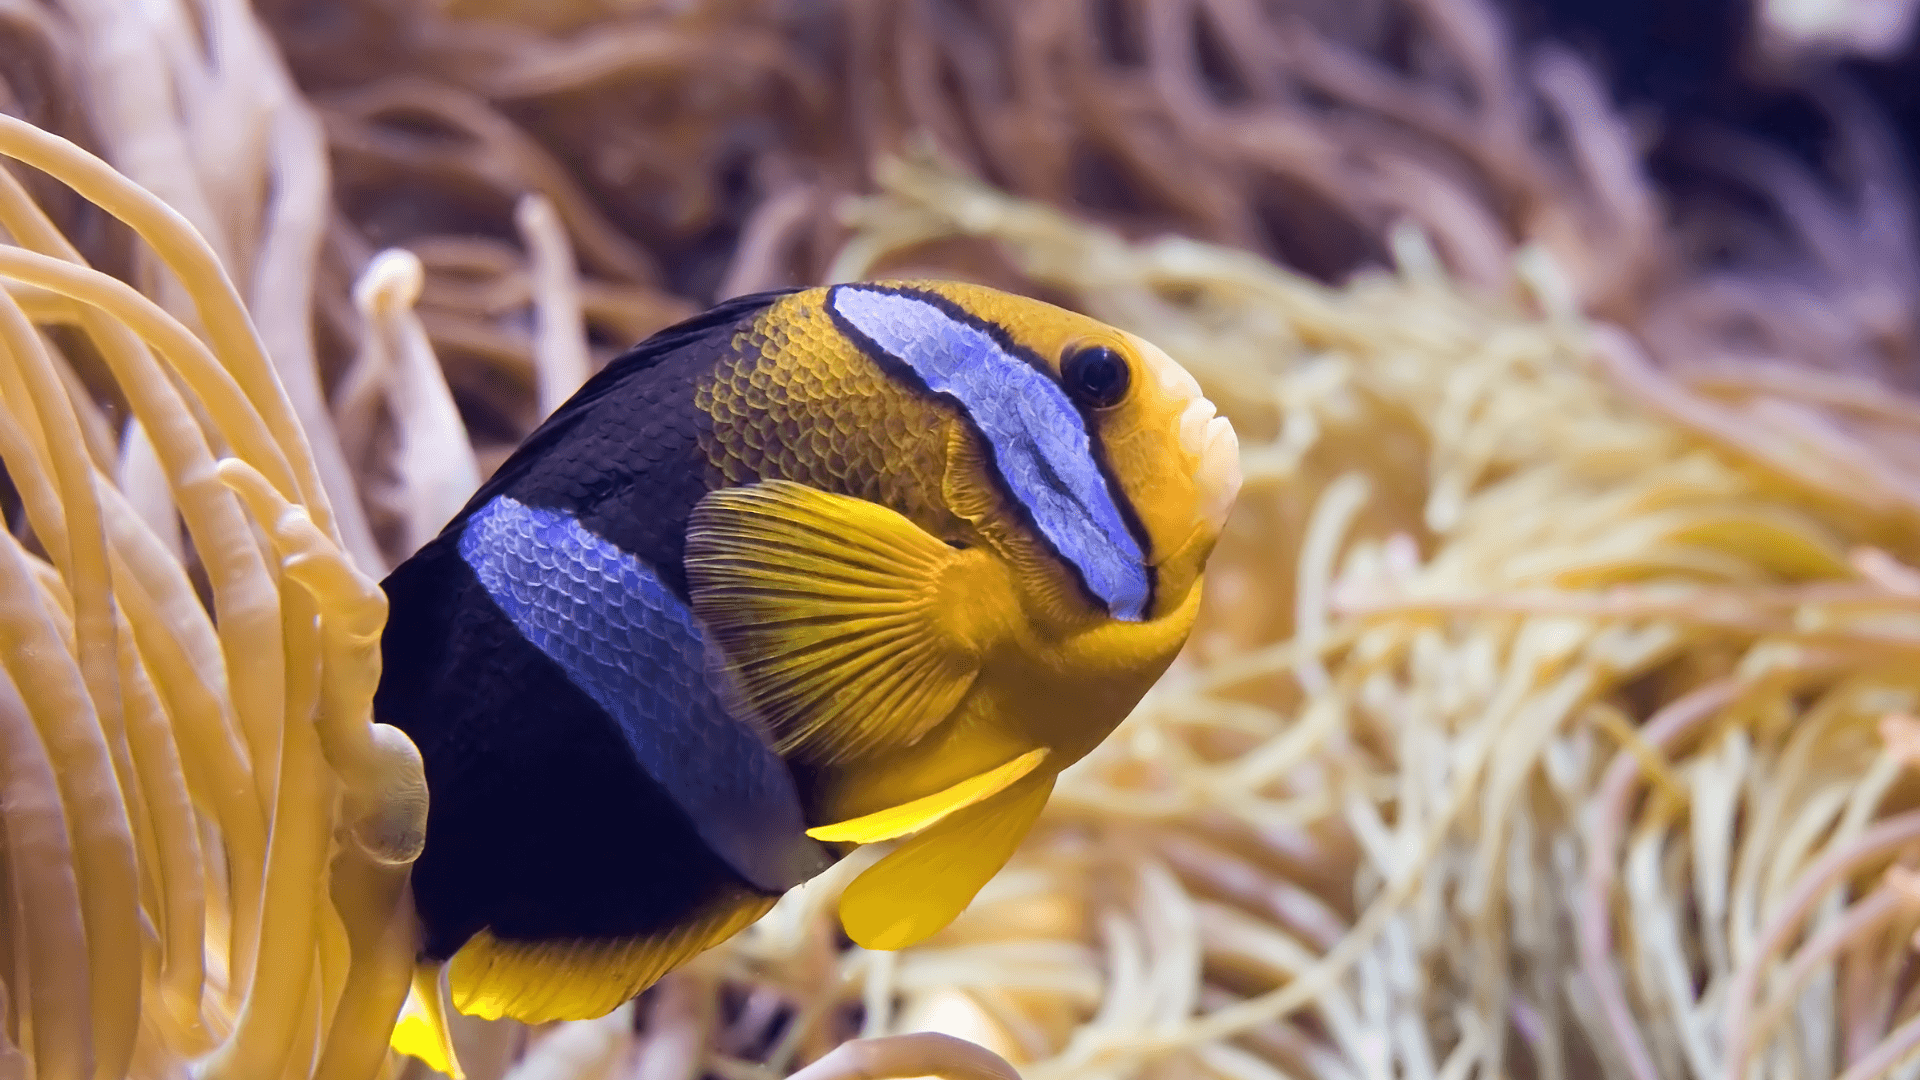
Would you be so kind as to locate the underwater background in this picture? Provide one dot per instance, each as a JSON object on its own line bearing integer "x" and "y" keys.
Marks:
{"x": 1554, "y": 711}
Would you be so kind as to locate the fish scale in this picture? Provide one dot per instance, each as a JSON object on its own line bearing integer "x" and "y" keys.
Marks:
{"x": 618, "y": 629}
{"x": 539, "y": 868}
{"x": 798, "y": 402}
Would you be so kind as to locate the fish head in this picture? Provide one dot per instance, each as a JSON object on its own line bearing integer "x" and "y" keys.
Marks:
{"x": 1094, "y": 476}
{"x": 986, "y": 598}
{"x": 1177, "y": 463}
{"x": 1104, "y": 449}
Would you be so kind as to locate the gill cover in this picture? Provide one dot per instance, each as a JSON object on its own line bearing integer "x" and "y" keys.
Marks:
{"x": 1037, "y": 438}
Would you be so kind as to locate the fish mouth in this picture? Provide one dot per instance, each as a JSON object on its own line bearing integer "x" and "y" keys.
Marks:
{"x": 1209, "y": 441}
{"x": 1206, "y": 440}
{"x": 1217, "y": 476}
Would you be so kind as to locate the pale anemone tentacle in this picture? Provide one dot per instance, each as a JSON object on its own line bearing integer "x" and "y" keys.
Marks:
{"x": 13, "y": 1061}
{"x": 435, "y": 460}
{"x": 278, "y": 1010}
{"x": 560, "y": 350}
{"x": 238, "y": 424}
{"x": 143, "y": 475}
{"x": 79, "y": 549}
{"x": 170, "y": 847}
{"x": 380, "y": 766}
{"x": 896, "y": 1057}
{"x": 180, "y": 650}
{"x": 50, "y": 683}
{"x": 71, "y": 525}
{"x": 229, "y": 330}
{"x": 248, "y": 631}
{"x": 1405, "y": 659}
{"x": 212, "y": 720}
{"x": 381, "y": 770}
{"x": 1468, "y": 648}
{"x": 46, "y": 892}
{"x": 262, "y": 725}
{"x": 178, "y": 856}
{"x": 281, "y": 293}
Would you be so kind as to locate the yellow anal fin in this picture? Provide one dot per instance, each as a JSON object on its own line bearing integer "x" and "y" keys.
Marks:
{"x": 579, "y": 979}
{"x": 921, "y": 813}
{"x": 422, "y": 1029}
{"x": 927, "y": 881}
{"x": 847, "y": 628}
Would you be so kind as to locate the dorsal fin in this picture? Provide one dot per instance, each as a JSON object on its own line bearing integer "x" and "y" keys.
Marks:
{"x": 722, "y": 317}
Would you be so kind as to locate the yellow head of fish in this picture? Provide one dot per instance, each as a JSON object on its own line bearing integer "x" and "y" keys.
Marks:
{"x": 986, "y": 547}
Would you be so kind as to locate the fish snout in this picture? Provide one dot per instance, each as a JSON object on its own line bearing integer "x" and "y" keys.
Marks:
{"x": 1213, "y": 451}
{"x": 1195, "y": 488}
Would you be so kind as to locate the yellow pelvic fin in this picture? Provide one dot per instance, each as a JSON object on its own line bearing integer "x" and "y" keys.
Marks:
{"x": 911, "y": 817}
{"x": 576, "y": 979}
{"x": 422, "y": 1030}
{"x": 846, "y": 627}
{"x": 927, "y": 881}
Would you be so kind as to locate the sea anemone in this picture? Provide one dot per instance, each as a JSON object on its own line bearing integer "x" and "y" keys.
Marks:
{"x": 1553, "y": 709}
{"x": 207, "y": 835}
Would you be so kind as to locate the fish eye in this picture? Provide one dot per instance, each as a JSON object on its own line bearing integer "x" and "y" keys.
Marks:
{"x": 1095, "y": 375}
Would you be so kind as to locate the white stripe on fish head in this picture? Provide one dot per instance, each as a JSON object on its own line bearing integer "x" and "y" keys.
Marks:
{"x": 1037, "y": 438}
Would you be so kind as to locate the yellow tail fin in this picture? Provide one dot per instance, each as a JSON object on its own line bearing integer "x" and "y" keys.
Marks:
{"x": 422, "y": 1030}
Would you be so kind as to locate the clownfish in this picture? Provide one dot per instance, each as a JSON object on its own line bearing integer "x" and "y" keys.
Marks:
{"x": 816, "y": 568}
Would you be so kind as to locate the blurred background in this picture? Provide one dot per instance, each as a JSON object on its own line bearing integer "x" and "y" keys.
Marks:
{"x": 1550, "y": 714}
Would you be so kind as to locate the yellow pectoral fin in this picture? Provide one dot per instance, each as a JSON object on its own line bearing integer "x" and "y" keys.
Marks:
{"x": 911, "y": 817}
{"x": 422, "y": 1028}
{"x": 847, "y": 628}
{"x": 539, "y": 981}
{"x": 925, "y": 883}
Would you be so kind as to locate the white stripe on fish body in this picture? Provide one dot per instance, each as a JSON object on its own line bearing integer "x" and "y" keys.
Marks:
{"x": 629, "y": 644}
